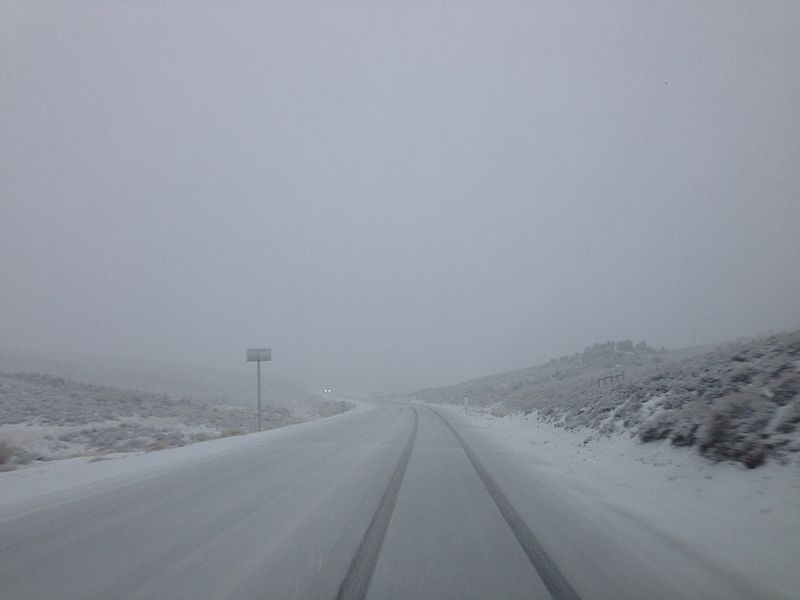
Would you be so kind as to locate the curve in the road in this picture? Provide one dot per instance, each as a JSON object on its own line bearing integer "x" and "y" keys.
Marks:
{"x": 355, "y": 584}
{"x": 551, "y": 575}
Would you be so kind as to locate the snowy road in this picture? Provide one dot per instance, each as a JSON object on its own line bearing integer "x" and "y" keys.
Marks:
{"x": 390, "y": 501}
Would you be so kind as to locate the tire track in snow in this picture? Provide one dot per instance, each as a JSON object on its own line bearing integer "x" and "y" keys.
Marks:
{"x": 551, "y": 575}
{"x": 356, "y": 581}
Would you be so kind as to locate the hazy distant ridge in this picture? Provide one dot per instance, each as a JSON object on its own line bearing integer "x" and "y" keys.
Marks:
{"x": 177, "y": 380}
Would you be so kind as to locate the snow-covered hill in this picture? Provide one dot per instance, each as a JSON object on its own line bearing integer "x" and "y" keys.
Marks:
{"x": 740, "y": 401}
{"x": 47, "y": 417}
{"x": 177, "y": 380}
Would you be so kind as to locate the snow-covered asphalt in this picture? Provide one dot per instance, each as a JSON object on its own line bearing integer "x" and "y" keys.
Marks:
{"x": 388, "y": 501}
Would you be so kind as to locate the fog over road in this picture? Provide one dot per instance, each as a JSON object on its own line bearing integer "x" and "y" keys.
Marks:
{"x": 390, "y": 501}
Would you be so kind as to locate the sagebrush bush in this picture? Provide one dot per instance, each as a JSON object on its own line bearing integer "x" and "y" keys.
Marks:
{"x": 11, "y": 456}
{"x": 734, "y": 428}
{"x": 657, "y": 428}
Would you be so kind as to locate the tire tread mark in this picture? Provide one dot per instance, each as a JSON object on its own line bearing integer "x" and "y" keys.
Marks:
{"x": 355, "y": 584}
{"x": 551, "y": 575}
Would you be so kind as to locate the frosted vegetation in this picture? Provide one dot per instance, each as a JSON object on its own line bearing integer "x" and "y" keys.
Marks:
{"x": 177, "y": 380}
{"x": 45, "y": 417}
{"x": 738, "y": 402}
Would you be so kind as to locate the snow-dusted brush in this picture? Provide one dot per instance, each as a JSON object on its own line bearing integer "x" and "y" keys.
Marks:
{"x": 738, "y": 402}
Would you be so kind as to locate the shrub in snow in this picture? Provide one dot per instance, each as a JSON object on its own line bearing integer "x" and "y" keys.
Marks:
{"x": 498, "y": 411}
{"x": 625, "y": 346}
{"x": 230, "y": 433}
{"x": 684, "y": 433}
{"x": 786, "y": 389}
{"x": 789, "y": 419}
{"x": 11, "y": 456}
{"x": 657, "y": 428}
{"x": 733, "y": 430}
{"x": 5, "y": 453}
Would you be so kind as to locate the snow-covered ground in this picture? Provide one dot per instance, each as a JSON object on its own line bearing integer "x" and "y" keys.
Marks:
{"x": 43, "y": 417}
{"x": 739, "y": 520}
{"x": 731, "y": 519}
{"x": 51, "y": 482}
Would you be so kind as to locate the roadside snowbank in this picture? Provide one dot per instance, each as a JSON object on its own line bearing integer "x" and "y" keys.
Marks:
{"x": 737, "y": 519}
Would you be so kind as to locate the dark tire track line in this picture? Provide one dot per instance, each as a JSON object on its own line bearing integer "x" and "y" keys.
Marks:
{"x": 551, "y": 575}
{"x": 356, "y": 581}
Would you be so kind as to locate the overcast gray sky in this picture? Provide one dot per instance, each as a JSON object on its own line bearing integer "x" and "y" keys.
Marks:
{"x": 395, "y": 195}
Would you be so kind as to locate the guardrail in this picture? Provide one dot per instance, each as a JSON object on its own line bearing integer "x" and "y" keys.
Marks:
{"x": 611, "y": 378}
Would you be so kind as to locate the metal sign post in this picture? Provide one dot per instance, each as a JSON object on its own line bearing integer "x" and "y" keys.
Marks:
{"x": 259, "y": 355}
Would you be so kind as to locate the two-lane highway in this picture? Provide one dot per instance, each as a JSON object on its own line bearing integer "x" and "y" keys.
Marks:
{"x": 391, "y": 501}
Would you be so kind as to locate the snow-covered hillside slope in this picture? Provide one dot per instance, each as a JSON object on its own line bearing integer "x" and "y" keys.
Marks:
{"x": 47, "y": 417}
{"x": 177, "y": 380}
{"x": 739, "y": 402}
